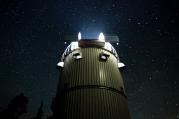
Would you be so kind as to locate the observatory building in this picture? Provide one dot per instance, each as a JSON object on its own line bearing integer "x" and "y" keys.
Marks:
{"x": 90, "y": 84}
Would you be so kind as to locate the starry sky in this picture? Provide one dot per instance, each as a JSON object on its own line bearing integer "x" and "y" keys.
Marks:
{"x": 31, "y": 44}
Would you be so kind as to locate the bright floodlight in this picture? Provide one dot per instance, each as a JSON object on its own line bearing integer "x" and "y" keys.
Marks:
{"x": 121, "y": 65}
{"x": 79, "y": 36}
{"x": 101, "y": 37}
{"x": 60, "y": 64}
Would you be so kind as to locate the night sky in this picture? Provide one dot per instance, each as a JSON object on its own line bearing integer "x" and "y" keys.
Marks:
{"x": 31, "y": 44}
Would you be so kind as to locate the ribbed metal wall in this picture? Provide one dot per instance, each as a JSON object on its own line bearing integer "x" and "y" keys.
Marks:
{"x": 90, "y": 70}
{"x": 90, "y": 88}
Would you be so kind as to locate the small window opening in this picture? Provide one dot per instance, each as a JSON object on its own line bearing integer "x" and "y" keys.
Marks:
{"x": 77, "y": 56}
{"x": 104, "y": 56}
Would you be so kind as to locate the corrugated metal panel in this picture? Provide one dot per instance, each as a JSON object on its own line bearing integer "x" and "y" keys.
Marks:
{"x": 90, "y": 88}
{"x": 91, "y": 71}
{"x": 95, "y": 104}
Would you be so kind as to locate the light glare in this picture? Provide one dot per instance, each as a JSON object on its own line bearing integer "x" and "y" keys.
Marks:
{"x": 101, "y": 37}
{"x": 60, "y": 64}
{"x": 79, "y": 36}
{"x": 121, "y": 65}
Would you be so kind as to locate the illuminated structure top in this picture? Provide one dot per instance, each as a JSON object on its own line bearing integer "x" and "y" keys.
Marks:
{"x": 99, "y": 42}
{"x": 108, "y": 38}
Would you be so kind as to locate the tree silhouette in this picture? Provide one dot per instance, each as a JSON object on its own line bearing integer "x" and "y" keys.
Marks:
{"x": 16, "y": 107}
{"x": 40, "y": 112}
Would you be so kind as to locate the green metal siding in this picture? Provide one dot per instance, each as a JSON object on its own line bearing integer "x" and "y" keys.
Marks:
{"x": 90, "y": 88}
{"x": 90, "y": 70}
{"x": 95, "y": 104}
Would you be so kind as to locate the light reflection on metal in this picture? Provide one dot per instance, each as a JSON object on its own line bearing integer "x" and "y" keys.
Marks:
{"x": 60, "y": 64}
{"x": 74, "y": 45}
{"x": 121, "y": 65}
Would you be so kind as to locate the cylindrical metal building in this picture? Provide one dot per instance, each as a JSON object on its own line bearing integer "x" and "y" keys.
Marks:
{"x": 90, "y": 85}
